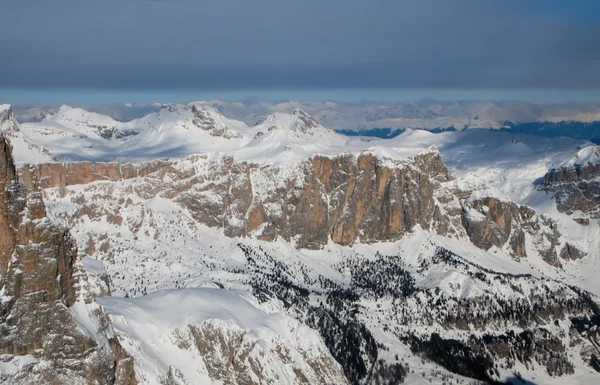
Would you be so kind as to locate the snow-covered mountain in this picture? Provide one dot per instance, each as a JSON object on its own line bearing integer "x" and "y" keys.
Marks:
{"x": 10, "y": 128}
{"x": 174, "y": 131}
{"x": 76, "y": 134}
{"x": 384, "y": 119}
{"x": 287, "y": 253}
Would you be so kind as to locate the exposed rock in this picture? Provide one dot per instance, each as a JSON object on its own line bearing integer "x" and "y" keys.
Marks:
{"x": 517, "y": 243}
{"x": 344, "y": 199}
{"x": 488, "y": 221}
{"x": 576, "y": 187}
{"x": 305, "y": 122}
{"x": 38, "y": 284}
{"x": 11, "y": 204}
{"x": 90, "y": 248}
{"x": 235, "y": 358}
{"x": 46, "y": 175}
{"x": 432, "y": 164}
{"x": 492, "y": 222}
{"x": 570, "y": 252}
{"x": 203, "y": 119}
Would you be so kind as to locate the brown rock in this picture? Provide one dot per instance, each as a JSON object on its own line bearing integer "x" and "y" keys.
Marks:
{"x": 517, "y": 243}
{"x": 344, "y": 199}
{"x": 575, "y": 188}
{"x": 39, "y": 287}
{"x": 570, "y": 252}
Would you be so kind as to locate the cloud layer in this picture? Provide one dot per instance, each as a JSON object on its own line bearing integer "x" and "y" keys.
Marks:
{"x": 237, "y": 44}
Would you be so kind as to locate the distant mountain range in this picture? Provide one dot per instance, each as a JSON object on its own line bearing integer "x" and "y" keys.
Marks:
{"x": 385, "y": 119}
{"x": 571, "y": 129}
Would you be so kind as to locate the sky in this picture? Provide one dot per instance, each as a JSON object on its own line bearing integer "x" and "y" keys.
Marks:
{"x": 228, "y": 46}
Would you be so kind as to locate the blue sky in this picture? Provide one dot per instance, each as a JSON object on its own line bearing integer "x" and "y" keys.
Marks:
{"x": 238, "y": 48}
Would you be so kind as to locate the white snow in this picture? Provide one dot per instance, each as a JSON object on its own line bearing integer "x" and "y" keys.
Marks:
{"x": 156, "y": 329}
{"x": 587, "y": 155}
{"x": 93, "y": 266}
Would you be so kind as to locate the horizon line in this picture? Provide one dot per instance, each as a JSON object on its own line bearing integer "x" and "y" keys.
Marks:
{"x": 350, "y": 95}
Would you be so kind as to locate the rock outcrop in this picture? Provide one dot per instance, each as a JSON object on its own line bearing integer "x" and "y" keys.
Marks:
{"x": 204, "y": 120}
{"x": 47, "y": 175}
{"x": 494, "y": 222}
{"x": 39, "y": 270}
{"x": 576, "y": 184}
{"x": 571, "y": 252}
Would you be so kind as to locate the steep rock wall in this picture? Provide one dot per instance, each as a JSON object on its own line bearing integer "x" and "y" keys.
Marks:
{"x": 38, "y": 265}
{"x": 343, "y": 199}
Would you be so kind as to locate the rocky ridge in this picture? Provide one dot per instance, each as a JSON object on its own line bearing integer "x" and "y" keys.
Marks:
{"x": 344, "y": 199}
{"x": 576, "y": 183}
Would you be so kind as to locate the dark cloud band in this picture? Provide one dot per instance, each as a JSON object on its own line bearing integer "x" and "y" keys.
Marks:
{"x": 234, "y": 44}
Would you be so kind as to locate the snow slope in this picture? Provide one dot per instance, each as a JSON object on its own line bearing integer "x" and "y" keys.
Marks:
{"x": 174, "y": 131}
{"x": 587, "y": 155}
{"x": 27, "y": 149}
{"x": 189, "y": 332}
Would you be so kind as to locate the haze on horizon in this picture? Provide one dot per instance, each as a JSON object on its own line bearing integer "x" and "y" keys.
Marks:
{"x": 219, "y": 46}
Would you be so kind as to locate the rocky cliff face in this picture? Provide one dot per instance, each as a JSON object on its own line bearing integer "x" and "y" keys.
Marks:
{"x": 47, "y": 175}
{"x": 576, "y": 184}
{"x": 494, "y": 222}
{"x": 39, "y": 282}
{"x": 345, "y": 198}
{"x": 342, "y": 199}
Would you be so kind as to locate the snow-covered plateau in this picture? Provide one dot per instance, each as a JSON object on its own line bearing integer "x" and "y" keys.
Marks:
{"x": 185, "y": 247}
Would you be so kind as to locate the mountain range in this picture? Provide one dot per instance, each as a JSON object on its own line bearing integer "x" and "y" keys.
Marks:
{"x": 387, "y": 119}
{"x": 187, "y": 247}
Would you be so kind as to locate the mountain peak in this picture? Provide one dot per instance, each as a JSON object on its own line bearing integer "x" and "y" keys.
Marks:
{"x": 304, "y": 122}
{"x": 8, "y": 123}
{"x": 6, "y": 113}
{"x": 298, "y": 123}
{"x": 77, "y": 116}
{"x": 433, "y": 149}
